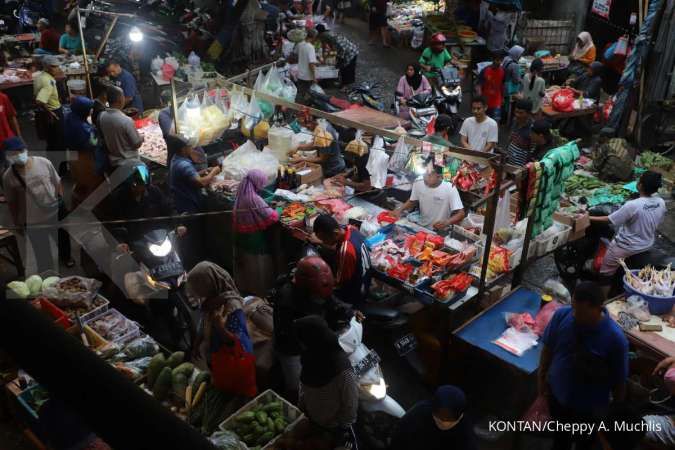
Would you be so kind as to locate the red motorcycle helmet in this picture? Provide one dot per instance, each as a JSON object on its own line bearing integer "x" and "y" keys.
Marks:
{"x": 438, "y": 38}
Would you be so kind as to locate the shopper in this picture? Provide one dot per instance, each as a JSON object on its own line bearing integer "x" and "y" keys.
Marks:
{"x": 491, "y": 86}
{"x": 590, "y": 83}
{"x": 534, "y": 86}
{"x": 347, "y": 53}
{"x": 329, "y": 389}
{"x": 126, "y": 81}
{"x": 330, "y": 157}
{"x": 308, "y": 292}
{"x": 438, "y": 200}
{"x": 584, "y": 361}
{"x": 185, "y": 181}
{"x": 80, "y": 136}
{"x": 33, "y": 192}
{"x": 436, "y": 424}
{"x": 49, "y": 38}
{"x": 352, "y": 258}
{"x": 519, "y": 151}
{"x": 255, "y": 270}
{"x": 343, "y": 6}
{"x": 494, "y": 28}
{"x": 479, "y": 132}
{"x": 512, "y": 78}
{"x": 435, "y": 57}
{"x": 637, "y": 221}
{"x": 443, "y": 127}
{"x": 222, "y": 323}
{"x": 307, "y": 62}
{"x": 49, "y": 113}
{"x": 121, "y": 138}
{"x": 70, "y": 42}
{"x": 377, "y": 22}
{"x": 412, "y": 83}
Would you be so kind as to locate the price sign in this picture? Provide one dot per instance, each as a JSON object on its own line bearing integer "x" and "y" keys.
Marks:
{"x": 601, "y": 8}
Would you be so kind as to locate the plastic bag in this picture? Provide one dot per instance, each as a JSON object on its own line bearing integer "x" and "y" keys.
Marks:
{"x": 558, "y": 291}
{"x": 517, "y": 342}
{"x": 638, "y": 308}
{"x": 190, "y": 119}
{"x": 519, "y": 321}
{"x": 238, "y": 104}
{"x": 259, "y": 81}
{"x": 357, "y": 145}
{"x": 317, "y": 89}
{"x": 378, "y": 161}
{"x": 141, "y": 347}
{"x": 400, "y": 157}
{"x": 227, "y": 440}
{"x": 172, "y": 61}
{"x": 369, "y": 227}
{"x": 73, "y": 290}
{"x": 247, "y": 157}
{"x": 139, "y": 364}
{"x": 288, "y": 91}
{"x": 544, "y": 316}
{"x": 168, "y": 72}
{"x": 252, "y": 116}
{"x": 272, "y": 84}
{"x": 156, "y": 64}
{"x": 563, "y": 100}
{"x": 194, "y": 60}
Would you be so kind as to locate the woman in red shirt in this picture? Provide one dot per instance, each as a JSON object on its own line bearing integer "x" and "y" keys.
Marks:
{"x": 491, "y": 83}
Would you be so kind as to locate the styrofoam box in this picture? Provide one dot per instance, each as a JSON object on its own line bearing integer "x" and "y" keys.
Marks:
{"x": 554, "y": 240}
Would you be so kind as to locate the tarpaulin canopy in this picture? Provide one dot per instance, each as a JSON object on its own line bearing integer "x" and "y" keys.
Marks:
{"x": 517, "y": 4}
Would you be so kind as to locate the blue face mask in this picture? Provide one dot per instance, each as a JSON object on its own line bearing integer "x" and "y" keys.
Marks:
{"x": 19, "y": 159}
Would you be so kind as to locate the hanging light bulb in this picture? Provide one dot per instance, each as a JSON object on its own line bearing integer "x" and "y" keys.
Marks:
{"x": 135, "y": 35}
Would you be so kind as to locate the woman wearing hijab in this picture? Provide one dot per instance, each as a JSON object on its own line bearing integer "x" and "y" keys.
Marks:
{"x": 253, "y": 217}
{"x": 583, "y": 54}
{"x": 512, "y": 76}
{"x": 436, "y": 424}
{"x": 329, "y": 391}
{"x": 409, "y": 85}
{"x": 222, "y": 322}
{"x": 80, "y": 136}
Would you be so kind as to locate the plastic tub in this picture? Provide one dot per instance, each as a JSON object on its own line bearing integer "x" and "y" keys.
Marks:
{"x": 657, "y": 305}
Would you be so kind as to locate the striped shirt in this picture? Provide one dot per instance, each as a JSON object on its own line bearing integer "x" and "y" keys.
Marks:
{"x": 520, "y": 146}
{"x": 333, "y": 405}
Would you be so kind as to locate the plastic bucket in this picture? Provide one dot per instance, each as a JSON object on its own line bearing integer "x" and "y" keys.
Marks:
{"x": 657, "y": 305}
{"x": 77, "y": 87}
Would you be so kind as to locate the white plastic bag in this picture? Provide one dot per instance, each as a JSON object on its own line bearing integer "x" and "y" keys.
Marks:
{"x": 238, "y": 104}
{"x": 400, "y": 156}
{"x": 247, "y": 157}
{"x": 517, "y": 342}
{"x": 252, "y": 116}
{"x": 378, "y": 161}
{"x": 173, "y": 62}
{"x": 193, "y": 60}
{"x": 503, "y": 215}
{"x": 272, "y": 84}
{"x": 317, "y": 89}
{"x": 259, "y": 81}
{"x": 638, "y": 308}
{"x": 288, "y": 91}
{"x": 370, "y": 227}
{"x": 156, "y": 64}
{"x": 190, "y": 119}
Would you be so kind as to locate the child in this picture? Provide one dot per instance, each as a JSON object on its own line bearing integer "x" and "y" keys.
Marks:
{"x": 534, "y": 86}
{"x": 491, "y": 85}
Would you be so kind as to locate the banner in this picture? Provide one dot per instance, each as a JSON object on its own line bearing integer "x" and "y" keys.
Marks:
{"x": 601, "y": 8}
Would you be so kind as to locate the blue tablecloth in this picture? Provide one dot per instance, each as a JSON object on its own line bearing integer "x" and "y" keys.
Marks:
{"x": 488, "y": 327}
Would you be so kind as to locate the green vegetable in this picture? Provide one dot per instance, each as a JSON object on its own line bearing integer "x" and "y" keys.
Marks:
{"x": 249, "y": 438}
{"x": 175, "y": 359}
{"x": 272, "y": 407}
{"x": 246, "y": 417}
{"x": 270, "y": 424}
{"x": 201, "y": 377}
{"x": 215, "y": 402}
{"x": 280, "y": 425}
{"x": 49, "y": 281}
{"x": 18, "y": 289}
{"x": 185, "y": 368}
{"x": 261, "y": 417}
{"x": 265, "y": 438}
{"x": 34, "y": 283}
{"x": 163, "y": 384}
{"x": 179, "y": 383}
{"x": 650, "y": 159}
{"x": 157, "y": 363}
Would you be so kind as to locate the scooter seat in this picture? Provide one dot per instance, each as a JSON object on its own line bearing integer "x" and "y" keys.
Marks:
{"x": 380, "y": 313}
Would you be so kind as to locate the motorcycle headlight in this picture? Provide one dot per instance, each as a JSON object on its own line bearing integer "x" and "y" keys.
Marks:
{"x": 378, "y": 391}
{"x": 161, "y": 250}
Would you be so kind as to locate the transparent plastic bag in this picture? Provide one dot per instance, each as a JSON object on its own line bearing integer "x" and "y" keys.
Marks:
{"x": 238, "y": 104}
{"x": 558, "y": 291}
{"x": 400, "y": 156}
{"x": 272, "y": 84}
{"x": 227, "y": 440}
{"x": 357, "y": 145}
{"x": 259, "y": 81}
{"x": 288, "y": 91}
{"x": 252, "y": 116}
{"x": 70, "y": 291}
{"x": 189, "y": 119}
{"x": 638, "y": 308}
{"x": 141, "y": 347}
{"x": 247, "y": 157}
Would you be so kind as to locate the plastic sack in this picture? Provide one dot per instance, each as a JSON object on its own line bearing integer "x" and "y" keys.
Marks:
{"x": 259, "y": 81}
{"x": 317, "y": 89}
{"x": 156, "y": 64}
{"x": 252, "y": 116}
{"x": 247, "y": 157}
{"x": 227, "y": 440}
{"x": 638, "y": 308}
{"x": 238, "y": 104}
{"x": 139, "y": 364}
{"x": 519, "y": 321}
{"x": 272, "y": 83}
{"x": 378, "y": 161}
{"x": 70, "y": 291}
{"x": 558, "y": 291}
{"x": 369, "y": 227}
{"x": 168, "y": 72}
{"x": 516, "y": 342}
{"x": 544, "y": 317}
{"x": 288, "y": 91}
{"x": 538, "y": 413}
{"x": 563, "y": 100}
{"x": 357, "y": 145}
{"x": 322, "y": 137}
{"x": 172, "y": 61}
{"x": 400, "y": 156}
{"x": 190, "y": 120}
{"x": 194, "y": 60}
{"x": 141, "y": 347}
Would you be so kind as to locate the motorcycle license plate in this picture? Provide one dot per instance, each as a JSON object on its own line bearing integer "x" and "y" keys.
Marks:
{"x": 371, "y": 360}
{"x": 406, "y": 344}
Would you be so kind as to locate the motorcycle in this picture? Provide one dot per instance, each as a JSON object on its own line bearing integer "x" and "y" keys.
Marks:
{"x": 421, "y": 108}
{"x": 448, "y": 92}
{"x": 574, "y": 260}
{"x": 363, "y": 94}
{"x": 27, "y": 14}
{"x": 159, "y": 285}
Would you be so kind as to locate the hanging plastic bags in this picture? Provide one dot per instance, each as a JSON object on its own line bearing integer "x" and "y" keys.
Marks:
{"x": 156, "y": 64}
{"x": 214, "y": 115}
{"x": 288, "y": 91}
{"x": 193, "y": 60}
{"x": 238, "y": 104}
{"x": 252, "y": 116}
{"x": 259, "y": 81}
{"x": 377, "y": 167}
{"x": 400, "y": 156}
{"x": 272, "y": 83}
{"x": 189, "y": 119}
{"x": 357, "y": 146}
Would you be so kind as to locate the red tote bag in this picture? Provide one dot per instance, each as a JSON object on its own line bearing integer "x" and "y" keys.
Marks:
{"x": 233, "y": 370}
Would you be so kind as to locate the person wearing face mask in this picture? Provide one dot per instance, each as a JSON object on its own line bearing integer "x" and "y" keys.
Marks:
{"x": 308, "y": 292}
{"x": 436, "y": 424}
{"x": 33, "y": 192}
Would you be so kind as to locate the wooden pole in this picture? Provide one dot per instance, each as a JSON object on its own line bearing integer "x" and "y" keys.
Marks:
{"x": 174, "y": 106}
{"x": 106, "y": 37}
{"x": 489, "y": 227}
{"x": 84, "y": 53}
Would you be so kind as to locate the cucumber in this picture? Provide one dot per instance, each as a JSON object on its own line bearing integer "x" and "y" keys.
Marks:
{"x": 185, "y": 368}
{"x": 175, "y": 359}
{"x": 261, "y": 417}
{"x": 270, "y": 424}
{"x": 265, "y": 438}
{"x": 156, "y": 365}
{"x": 163, "y": 384}
{"x": 247, "y": 417}
{"x": 179, "y": 383}
{"x": 280, "y": 425}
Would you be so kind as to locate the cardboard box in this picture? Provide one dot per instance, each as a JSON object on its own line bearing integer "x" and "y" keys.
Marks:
{"x": 576, "y": 235}
{"x": 308, "y": 173}
{"x": 577, "y": 222}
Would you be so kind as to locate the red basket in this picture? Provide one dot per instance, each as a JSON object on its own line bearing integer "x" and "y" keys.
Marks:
{"x": 60, "y": 317}
{"x": 140, "y": 123}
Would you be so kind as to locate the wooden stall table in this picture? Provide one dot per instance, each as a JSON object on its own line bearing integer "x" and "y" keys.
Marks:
{"x": 372, "y": 117}
{"x": 552, "y": 114}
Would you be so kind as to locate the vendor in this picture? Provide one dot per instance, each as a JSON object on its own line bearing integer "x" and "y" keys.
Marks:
{"x": 583, "y": 54}
{"x": 352, "y": 271}
{"x": 124, "y": 80}
{"x": 436, "y": 424}
{"x": 438, "y": 201}
{"x": 329, "y": 157}
{"x": 49, "y": 38}
{"x": 411, "y": 84}
{"x": 480, "y": 132}
{"x": 347, "y": 53}
{"x": 70, "y": 42}
{"x": 590, "y": 83}
{"x": 435, "y": 57}
{"x": 358, "y": 176}
{"x": 637, "y": 221}
{"x": 184, "y": 180}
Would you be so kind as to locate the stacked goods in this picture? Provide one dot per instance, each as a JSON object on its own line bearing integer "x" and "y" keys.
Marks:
{"x": 114, "y": 327}
{"x": 467, "y": 177}
{"x": 154, "y": 145}
{"x": 449, "y": 288}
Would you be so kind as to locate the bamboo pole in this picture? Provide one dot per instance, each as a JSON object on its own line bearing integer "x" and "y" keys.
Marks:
{"x": 106, "y": 37}
{"x": 174, "y": 106}
{"x": 84, "y": 53}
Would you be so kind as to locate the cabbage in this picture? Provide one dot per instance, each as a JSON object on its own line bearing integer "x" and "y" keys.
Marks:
{"x": 19, "y": 289}
{"x": 34, "y": 283}
{"x": 50, "y": 281}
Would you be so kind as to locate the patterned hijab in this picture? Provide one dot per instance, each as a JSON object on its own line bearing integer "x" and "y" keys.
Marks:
{"x": 251, "y": 212}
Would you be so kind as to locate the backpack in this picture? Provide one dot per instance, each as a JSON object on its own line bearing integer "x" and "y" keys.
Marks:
{"x": 613, "y": 161}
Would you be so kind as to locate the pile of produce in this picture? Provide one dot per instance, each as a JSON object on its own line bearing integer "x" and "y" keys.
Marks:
{"x": 655, "y": 160}
{"x": 447, "y": 289}
{"x": 76, "y": 310}
{"x": 208, "y": 409}
{"x": 498, "y": 261}
{"x": 31, "y": 287}
{"x": 296, "y": 212}
{"x": 261, "y": 424}
{"x": 597, "y": 191}
{"x": 72, "y": 290}
{"x": 649, "y": 281}
{"x": 113, "y": 326}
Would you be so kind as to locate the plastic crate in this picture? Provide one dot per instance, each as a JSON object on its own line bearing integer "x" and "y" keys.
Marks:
{"x": 134, "y": 330}
{"x": 60, "y": 317}
{"x": 96, "y": 311}
{"x": 292, "y": 415}
{"x": 96, "y": 342}
{"x": 657, "y": 305}
{"x": 326, "y": 72}
{"x": 552, "y": 241}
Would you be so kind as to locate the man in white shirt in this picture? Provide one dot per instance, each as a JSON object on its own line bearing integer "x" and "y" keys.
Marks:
{"x": 480, "y": 132}
{"x": 307, "y": 62}
{"x": 637, "y": 221}
{"x": 439, "y": 202}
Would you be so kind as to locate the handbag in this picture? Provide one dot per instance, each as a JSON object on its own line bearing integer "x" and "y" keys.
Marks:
{"x": 233, "y": 370}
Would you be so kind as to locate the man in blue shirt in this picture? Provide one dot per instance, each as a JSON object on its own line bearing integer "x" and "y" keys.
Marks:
{"x": 184, "y": 179}
{"x": 584, "y": 360}
{"x": 124, "y": 80}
